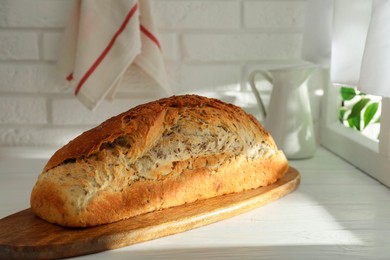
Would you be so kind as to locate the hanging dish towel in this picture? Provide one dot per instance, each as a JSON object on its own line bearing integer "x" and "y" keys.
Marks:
{"x": 103, "y": 38}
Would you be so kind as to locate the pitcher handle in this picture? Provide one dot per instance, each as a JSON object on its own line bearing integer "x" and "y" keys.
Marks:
{"x": 252, "y": 83}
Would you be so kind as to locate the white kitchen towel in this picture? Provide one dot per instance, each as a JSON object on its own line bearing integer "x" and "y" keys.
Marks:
{"x": 103, "y": 38}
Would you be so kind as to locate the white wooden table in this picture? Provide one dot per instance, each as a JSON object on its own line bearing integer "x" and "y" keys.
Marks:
{"x": 338, "y": 212}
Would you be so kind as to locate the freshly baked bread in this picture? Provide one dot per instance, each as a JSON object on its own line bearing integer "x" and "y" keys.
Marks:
{"x": 157, "y": 155}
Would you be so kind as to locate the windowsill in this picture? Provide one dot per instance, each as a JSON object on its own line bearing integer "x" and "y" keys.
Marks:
{"x": 338, "y": 212}
{"x": 355, "y": 136}
{"x": 358, "y": 150}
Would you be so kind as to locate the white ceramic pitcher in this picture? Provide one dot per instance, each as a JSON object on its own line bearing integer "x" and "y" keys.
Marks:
{"x": 288, "y": 117}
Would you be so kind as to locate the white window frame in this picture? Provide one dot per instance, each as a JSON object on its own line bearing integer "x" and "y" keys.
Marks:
{"x": 368, "y": 155}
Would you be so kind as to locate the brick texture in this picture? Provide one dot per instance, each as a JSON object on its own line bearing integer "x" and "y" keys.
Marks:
{"x": 38, "y": 136}
{"x": 274, "y": 14}
{"x": 210, "y": 78}
{"x": 18, "y": 46}
{"x": 67, "y": 111}
{"x": 22, "y": 110}
{"x": 36, "y": 13}
{"x": 184, "y": 14}
{"x": 238, "y": 47}
{"x": 51, "y": 43}
{"x": 30, "y": 78}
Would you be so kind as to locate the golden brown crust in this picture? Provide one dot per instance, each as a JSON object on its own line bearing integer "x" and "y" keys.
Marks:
{"x": 128, "y": 123}
{"x": 90, "y": 141}
{"x": 157, "y": 155}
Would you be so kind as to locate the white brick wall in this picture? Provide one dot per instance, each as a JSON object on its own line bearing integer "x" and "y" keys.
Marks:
{"x": 241, "y": 46}
{"x": 18, "y": 46}
{"x": 203, "y": 14}
{"x": 23, "y": 110}
{"x": 210, "y": 47}
{"x": 39, "y": 14}
{"x": 274, "y": 14}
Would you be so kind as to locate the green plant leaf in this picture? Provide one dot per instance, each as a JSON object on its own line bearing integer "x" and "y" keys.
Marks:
{"x": 354, "y": 122}
{"x": 358, "y": 107}
{"x": 370, "y": 113}
{"x": 348, "y": 93}
{"x": 342, "y": 113}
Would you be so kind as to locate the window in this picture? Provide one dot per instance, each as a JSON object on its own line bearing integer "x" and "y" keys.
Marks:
{"x": 367, "y": 154}
{"x": 351, "y": 38}
{"x": 360, "y": 111}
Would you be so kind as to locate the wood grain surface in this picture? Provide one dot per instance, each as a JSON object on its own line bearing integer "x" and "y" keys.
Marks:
{"x": 25, "y": 236}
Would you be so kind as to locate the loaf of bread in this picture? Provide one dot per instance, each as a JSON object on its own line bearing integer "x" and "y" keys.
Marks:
{"x": 161, "y": 154}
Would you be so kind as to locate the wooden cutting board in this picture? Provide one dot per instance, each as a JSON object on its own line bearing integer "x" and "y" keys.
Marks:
{"x": 23, "y": 235}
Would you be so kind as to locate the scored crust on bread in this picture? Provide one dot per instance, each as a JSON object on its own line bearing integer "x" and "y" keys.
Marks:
{"x": 157, "y": 155}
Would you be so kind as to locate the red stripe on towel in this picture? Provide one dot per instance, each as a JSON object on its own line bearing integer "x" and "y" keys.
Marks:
{"x": 107, "y": 49}
{"x": 150, "y": 36}
{"x": 69, "y": 77}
